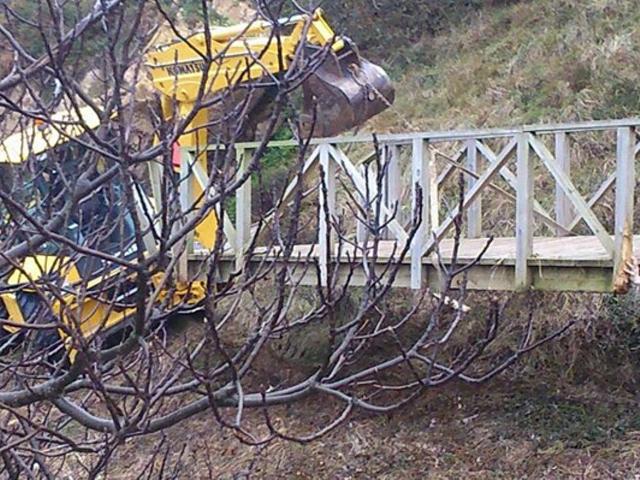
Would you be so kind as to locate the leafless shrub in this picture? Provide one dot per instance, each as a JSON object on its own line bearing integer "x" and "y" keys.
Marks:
{"x": 80, "y": 215}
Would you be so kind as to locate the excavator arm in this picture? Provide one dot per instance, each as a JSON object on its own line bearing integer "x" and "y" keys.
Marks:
{"x": 345, "y": 90}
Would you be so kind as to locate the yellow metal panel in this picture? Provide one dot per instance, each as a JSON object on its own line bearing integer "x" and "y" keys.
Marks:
{"x": 35, "y": 267}
{"x": 178, "y": 69}
{"x": 95, "y": 316}
{"x": 205, "y": 231}
{"x": 13, "y": 309}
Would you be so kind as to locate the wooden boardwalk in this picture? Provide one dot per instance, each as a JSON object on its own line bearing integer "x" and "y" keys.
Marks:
{"x": 581, "y": 241}
{"x": 578, "y": 264}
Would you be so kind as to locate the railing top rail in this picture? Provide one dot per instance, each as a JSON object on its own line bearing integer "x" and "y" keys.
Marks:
{"x": 455, "y": 135}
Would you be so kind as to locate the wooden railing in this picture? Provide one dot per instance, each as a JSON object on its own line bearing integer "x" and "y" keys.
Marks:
{"x": 426, "y": 161}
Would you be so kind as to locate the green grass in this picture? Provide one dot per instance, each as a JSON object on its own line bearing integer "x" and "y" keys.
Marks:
{"x": 273, "y": 175}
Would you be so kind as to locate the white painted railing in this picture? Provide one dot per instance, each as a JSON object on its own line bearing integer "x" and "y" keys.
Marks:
{"x": 525, "y": 148}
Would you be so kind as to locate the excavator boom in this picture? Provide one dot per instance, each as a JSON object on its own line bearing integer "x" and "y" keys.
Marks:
{"x": 342, "y": 92}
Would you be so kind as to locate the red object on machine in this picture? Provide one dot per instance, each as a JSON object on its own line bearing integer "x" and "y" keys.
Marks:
{"x": 175, "y": 155}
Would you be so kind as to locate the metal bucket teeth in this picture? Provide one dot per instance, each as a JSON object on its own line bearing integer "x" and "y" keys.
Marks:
{"x": 345, "y": 91}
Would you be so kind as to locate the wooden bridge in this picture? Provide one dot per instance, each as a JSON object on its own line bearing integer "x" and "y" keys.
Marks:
{"x": 558, "y": 200}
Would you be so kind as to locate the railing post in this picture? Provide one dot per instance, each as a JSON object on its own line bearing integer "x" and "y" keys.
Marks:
{"x": 524, "y": 213}
{"x": 327, "y": 197}
{"x": 420, "y": 171}
{"x": 434, "y": 195}
{"x": 186, "y": 204}
{"x": 156, "y": 173}
{"x": 564, "y": 211}
{"x": 393, "y": 185}
{"x": 243, "y": 209}
{"x": 362, "y": 235}
{"x": 625, "y": 185}
{"x": 146, "y": 212}
{"x": 474, "y": 212}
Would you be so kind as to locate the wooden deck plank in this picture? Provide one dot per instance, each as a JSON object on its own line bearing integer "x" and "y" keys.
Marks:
{"x": 577, "y": 263}
{"x": 562, "y": 263}
{"x": 547, "y": 251}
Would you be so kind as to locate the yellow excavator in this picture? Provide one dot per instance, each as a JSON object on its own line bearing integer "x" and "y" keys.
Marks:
{"x": 342, "y": 92}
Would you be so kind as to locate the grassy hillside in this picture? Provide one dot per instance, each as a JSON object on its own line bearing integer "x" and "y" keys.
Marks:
{"x": 535, "y": 61}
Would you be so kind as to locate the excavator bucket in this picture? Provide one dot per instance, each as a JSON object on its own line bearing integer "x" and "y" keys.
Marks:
{"x": 344, "y": 92}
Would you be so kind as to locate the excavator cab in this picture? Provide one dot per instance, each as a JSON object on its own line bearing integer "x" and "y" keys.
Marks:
{"x": 100, "y": 222}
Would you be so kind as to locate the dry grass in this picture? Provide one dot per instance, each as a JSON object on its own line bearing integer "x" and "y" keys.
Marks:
{"x": 547, "y": 60}
{"x": 504, "y": 430}
{"x": 568, "y": 411}
{"x": 525, "y": 62}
